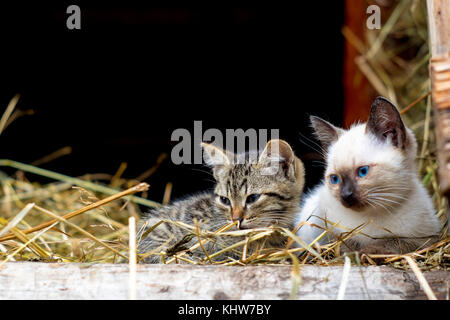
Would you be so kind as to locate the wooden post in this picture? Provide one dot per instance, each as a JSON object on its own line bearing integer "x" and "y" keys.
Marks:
{"x": 358, "y": 92}
{"x": 439, "y": 34}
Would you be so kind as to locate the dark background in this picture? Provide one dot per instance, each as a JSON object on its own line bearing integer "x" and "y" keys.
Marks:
{"x": 116, "y": 89}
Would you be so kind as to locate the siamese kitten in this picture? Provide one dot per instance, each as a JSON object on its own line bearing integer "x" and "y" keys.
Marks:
{"x": 371, "y": 177}
{"x": 259, "y": 193}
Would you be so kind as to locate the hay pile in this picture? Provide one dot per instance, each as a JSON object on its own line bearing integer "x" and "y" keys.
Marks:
{"x": 94, "y": 223}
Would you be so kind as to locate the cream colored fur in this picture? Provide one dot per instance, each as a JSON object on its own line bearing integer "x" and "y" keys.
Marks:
{"x": 407, "y": 213}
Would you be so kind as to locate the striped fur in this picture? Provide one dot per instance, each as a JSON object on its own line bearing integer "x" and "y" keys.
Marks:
{"x": 255, "y": 198}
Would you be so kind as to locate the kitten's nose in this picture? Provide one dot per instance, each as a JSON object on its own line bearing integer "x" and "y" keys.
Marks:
{"x": 347, "y": 195}
{"x": 237, "y": 214}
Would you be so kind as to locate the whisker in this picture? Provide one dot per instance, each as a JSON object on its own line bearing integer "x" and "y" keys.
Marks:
{"x": 389, "y": 188}
{"x": 386, "y": 199}
{"x": 313, "y": 145}
{"x": 393, "y": 195}
{"x": 380, "y": 204}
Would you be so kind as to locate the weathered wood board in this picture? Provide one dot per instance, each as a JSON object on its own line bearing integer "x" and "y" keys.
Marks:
{"x": 439, "y": 35}
{"x": 32, "y": 280}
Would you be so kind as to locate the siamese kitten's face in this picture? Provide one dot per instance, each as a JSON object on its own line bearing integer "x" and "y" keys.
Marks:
{"x": 369, "y": 166}
{"x": 257, "y": 193}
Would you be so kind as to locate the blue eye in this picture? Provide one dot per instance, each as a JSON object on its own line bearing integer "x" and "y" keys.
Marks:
{"x": 363, "y": 171}
{"x": 334, "y": 179}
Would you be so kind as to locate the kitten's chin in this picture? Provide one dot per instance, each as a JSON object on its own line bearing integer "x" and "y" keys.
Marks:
{"x": 356, "y": 206}
{"x": 362, "y": 208}
{"x": 241, "y": 226}
{"x": 244, "y": 225}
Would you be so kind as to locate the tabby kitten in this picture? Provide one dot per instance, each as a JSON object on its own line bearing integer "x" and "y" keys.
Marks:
{"x": 257, "y": 194}
{"x": 371, "y": 177}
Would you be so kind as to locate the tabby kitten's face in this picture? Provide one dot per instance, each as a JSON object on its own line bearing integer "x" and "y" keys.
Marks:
{"x": 257, "y": 193}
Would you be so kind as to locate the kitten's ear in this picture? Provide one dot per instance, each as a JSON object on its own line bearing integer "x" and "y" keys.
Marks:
{"x": 325, "y": 131}
{"x": 386, "y": 123}
{"x": 278, "y": 152}
{"x": 277, "y": 149}
{"x": 215, "y": 156}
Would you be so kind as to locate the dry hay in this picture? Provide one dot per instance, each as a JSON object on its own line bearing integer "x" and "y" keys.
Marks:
{"x": 65, "y": 221}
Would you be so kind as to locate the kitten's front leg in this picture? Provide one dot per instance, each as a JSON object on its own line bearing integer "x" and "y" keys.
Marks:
{"x": 382, "y": 246}
{"x": 396, "y": 245}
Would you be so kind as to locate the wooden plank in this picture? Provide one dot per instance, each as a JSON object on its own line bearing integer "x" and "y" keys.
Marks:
{"x": 440, "y": 92}
{"x": 33, "y": 280}
{"x": 439, "y": 26}
{"x": 439, "y": 35}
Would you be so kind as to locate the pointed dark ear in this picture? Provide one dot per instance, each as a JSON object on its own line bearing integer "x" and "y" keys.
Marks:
{"x": 325, "y": 131}
{"x": 386, "y": 123}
